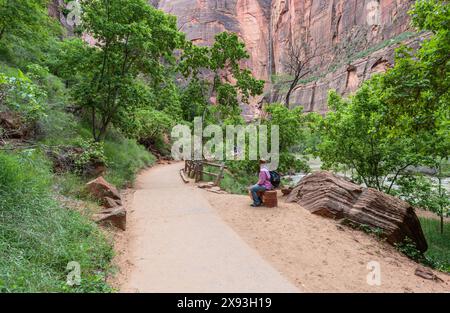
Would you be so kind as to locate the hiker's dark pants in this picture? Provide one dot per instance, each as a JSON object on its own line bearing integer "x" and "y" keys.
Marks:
{"x": 254, "y": 190}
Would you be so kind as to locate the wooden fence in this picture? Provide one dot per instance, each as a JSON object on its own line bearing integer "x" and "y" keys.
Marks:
{"x": 195, "y": 169}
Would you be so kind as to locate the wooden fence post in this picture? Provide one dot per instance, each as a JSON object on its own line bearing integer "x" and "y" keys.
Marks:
{"x": 219, "y": 177}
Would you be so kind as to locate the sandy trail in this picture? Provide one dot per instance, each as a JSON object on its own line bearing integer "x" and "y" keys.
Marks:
{"x": 178, "y": 243}
{"x": 184, "y": 239}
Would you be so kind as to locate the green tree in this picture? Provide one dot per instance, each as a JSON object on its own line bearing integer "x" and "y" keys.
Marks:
{"x": 133, "y": 40}
{"x": 418, "y": 88}
{"x": 292, "y": 127}
{"x": 220, "y": 65}
{"x": 355, "y": 134}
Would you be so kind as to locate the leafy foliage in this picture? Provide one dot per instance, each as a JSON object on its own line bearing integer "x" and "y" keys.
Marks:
{"x": 92, "y": 152}
{"x": 422, "y": 192}
{"x": 231, "y": 84}
{"x": 355, "y": 134}
{"x": 292, "y": 126}
{"x": 20, "y": 94}
{"x": 132, "y": 39}
{"x": 26, "y": 30}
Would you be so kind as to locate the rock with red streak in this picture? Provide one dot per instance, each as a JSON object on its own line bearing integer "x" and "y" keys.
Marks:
{"x": 331, "y": 196}
{"x": 100, "y": 188}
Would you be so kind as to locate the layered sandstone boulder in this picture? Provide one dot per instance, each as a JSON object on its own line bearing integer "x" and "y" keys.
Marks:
{"x": 113, "y": 212}
{"x": 328, "y": 195}
{"x": 101, "y": 189}
{"x": 116, "y": 217}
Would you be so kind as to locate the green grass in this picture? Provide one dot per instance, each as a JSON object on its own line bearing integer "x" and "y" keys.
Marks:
{"x": 39, "y": 237}
{"x": 125, "y": 158}
{"x": 438, "y": 244}
{"x": 232, "y": 183}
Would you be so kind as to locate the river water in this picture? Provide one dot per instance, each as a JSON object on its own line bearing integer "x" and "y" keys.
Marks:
{"x": 315, "y": 165}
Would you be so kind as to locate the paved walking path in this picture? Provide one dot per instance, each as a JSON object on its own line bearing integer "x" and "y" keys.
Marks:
{"x": 177, "y": 243}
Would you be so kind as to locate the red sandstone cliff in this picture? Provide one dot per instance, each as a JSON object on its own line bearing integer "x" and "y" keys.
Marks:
{"x": 350, "y": 39}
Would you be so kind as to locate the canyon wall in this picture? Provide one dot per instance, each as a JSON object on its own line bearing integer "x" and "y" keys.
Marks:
{"x": 201, "y": 20}
{"x": 345, "y": 40}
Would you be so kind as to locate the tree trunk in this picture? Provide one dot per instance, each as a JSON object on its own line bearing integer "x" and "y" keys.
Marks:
{"x": 440, "y": 202}
{"x": 94, "y": 135}
{"x": 291, "y": 88}
{"x": 2, "y": 32}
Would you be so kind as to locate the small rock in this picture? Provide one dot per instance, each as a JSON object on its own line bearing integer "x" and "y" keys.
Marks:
{"x": 286, "y": 190}
{"x": 426, "y": 273}
{"x": 13, "y": 124}
{"x": 100, "y": 188}
{"x": 111, "y": 203}
{"x": 116, "y": 217}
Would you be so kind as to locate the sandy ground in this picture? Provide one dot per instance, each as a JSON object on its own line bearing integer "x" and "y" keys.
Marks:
{"x": 166, "y": 246}
{"x": 316, "y": 253}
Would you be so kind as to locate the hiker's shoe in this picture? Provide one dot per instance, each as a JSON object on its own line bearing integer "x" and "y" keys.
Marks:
{"x": 255, "y": 205}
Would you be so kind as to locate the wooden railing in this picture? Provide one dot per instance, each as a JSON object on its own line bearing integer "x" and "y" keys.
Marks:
{"x": 195, "y": 169}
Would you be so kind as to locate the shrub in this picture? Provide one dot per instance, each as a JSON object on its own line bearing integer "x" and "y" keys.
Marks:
{"x": 93, "y": 153}
{"x": 20, "y": 94}
{"x": 125, "y": 158}
{"x": 420, "y": 191}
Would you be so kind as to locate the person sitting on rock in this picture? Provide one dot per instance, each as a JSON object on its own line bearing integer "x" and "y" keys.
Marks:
{"x": 262, "y": 185}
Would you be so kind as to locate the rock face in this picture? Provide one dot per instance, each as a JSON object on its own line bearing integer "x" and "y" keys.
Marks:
{"x": 346, "y": 38}
{"x": 325, "y": 194}
{"x": 201, "y": 20}
{"x": 334, "y": 29}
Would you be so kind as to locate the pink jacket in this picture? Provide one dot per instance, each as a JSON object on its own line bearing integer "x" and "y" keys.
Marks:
{"x": 264, "y": 179}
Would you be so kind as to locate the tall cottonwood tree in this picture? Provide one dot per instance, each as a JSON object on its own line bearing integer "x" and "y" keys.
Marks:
{"x": 133, "y": 40}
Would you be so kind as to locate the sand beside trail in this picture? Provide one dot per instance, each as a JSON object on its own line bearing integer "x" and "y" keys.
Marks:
{"x": 316, "y": 253}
